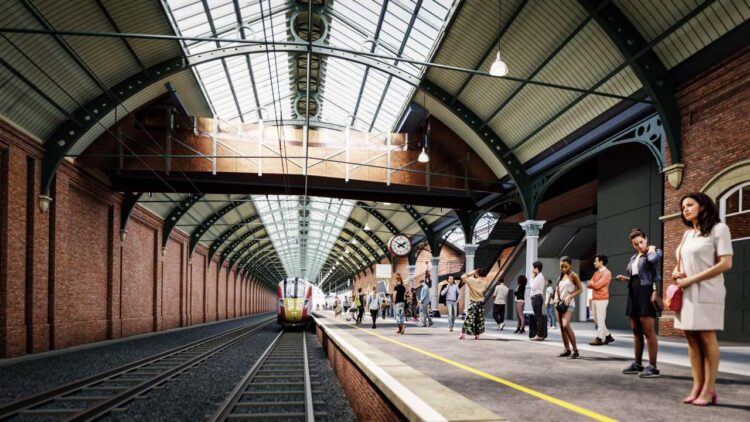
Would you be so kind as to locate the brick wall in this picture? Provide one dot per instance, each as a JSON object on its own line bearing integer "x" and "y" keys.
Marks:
{"x": 138, "y": 280}
{"x": 715, "y": 134}
{"x": 368, "y": 403}
{"x": 66, "y": 278}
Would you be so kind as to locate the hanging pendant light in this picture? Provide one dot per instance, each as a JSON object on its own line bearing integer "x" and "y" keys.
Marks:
{"x": 499, "y": 67}
{"x": 423, "y": 157}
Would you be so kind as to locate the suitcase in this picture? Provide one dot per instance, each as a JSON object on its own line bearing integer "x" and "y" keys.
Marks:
{"x": 532, "y": 326}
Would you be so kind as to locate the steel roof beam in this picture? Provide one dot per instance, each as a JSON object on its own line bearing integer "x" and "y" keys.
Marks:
{"x": 176, "y": 214}
{"x": 492, "y": 140}
{"x": 652, "y": 73}
{"x": 492, "y": 46}
{"x": 542, "y": 65}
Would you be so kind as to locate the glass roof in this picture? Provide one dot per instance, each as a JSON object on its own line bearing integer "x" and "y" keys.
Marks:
{"x": 302, "y": 231}
{"x": 352, "y": 25}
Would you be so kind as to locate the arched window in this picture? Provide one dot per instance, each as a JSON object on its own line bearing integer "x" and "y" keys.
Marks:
{"x": 456, "y": 237}
{"x": 484, "y": 226}
{"x": 734, "y": 209}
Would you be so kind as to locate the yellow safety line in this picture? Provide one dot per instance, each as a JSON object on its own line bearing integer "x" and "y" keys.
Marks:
{"x": 529, "y": 391}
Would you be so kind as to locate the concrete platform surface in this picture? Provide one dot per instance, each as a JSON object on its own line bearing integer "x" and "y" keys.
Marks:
{"x": 519, "y": 379}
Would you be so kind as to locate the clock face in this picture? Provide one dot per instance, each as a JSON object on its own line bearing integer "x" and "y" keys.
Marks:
{"x": 400, "y": 245}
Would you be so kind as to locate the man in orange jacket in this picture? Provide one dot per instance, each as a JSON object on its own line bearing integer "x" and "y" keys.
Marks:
{"x": 599, "y": 284}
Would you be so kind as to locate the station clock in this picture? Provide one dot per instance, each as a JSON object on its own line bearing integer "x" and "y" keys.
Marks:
{"x": 399, "y": 245}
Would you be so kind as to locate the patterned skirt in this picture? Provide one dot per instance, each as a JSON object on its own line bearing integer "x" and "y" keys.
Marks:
{"x": 474, "y": 324}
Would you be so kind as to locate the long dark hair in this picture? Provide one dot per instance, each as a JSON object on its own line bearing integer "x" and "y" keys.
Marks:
{"x": 522, "y": 280}
{"x": 708, "y": 217}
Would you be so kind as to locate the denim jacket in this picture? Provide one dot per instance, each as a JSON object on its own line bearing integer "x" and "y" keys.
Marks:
{"x": 648, "y": 267}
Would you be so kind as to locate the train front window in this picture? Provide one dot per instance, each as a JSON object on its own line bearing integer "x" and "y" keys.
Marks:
{"x": 293, "y": 289}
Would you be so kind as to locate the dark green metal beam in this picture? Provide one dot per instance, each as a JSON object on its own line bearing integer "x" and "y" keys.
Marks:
{"x": 206, "y": 224}
{"x": 216, "y": 244}
{"x": 498, "y": 147}
{"x": 647, "y": 66}
{"x": 129, "y": 202}
{"x": 176, "y": 213}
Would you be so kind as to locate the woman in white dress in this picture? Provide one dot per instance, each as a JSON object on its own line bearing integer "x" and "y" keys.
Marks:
{"x": 705, "y": 252}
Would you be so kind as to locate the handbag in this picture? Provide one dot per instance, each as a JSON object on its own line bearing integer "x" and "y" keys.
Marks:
{"x": 561, "y": 307}
{"x": 673, "y": 300}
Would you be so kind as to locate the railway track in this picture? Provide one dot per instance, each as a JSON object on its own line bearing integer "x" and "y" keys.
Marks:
{"x": 93, "y": 397}
{"x": 280, "y": 386}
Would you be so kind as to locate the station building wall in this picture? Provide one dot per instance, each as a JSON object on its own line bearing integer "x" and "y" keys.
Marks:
{"x": 715, "y": 138}
{"x": 66, "y": 278}
{"x": 629, "y": 195}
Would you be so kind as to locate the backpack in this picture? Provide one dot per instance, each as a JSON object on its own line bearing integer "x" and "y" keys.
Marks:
{"x": 357, "y": 302}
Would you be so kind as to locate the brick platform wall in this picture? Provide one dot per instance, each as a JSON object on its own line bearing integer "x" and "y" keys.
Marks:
{"x": 66, "y": 278}
{"x": 715, "y": 134}
{"x": 367, "y": 401}
{"x": 137, "y": 282}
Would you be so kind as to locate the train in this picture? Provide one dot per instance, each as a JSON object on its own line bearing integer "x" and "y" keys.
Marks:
{"x": 294, "y": 306}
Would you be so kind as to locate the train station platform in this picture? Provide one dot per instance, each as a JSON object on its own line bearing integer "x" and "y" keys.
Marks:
{"x": 505, "y": 376}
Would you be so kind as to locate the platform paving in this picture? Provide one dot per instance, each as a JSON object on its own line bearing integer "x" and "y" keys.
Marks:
{"x": 520, "y": 379}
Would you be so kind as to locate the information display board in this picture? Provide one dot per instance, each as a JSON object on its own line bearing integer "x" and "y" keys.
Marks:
{"x": 383, "y": 271}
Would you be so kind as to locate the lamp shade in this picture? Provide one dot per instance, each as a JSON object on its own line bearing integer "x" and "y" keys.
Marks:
{"x": 499, "y": 68}
{"x": 423, "y": 157}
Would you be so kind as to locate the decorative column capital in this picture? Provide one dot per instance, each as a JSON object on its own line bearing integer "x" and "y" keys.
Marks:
{"x": 674, "y": 174}
{"x": 532, "y": 227}
{"x": 470, "y": 249}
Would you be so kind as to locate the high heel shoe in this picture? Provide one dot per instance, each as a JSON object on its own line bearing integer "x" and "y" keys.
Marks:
{"x": 564, "y": 354}
{"x": 689, "y": 399}
{"x": 713, "y": 400}
{"x": 518, "y": 330}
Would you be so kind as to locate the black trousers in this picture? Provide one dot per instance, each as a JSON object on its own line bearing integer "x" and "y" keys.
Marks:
{"x": 360, "y": 314}
{"x": 537, "y": 301}
{"x": 374, "y": 314}
{"x": 498, "y": 313}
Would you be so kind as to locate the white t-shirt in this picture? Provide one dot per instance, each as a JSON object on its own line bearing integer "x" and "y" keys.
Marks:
{"x": 537, "y": 284}
{"x": 501, "y": 293}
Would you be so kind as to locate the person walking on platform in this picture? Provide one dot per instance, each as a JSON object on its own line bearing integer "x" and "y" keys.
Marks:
{"x": 539, "y": 325}
{"x": 643, "y": 299}
{"x": 568, "y": 287}
{"x": 475, "y": 288}
{"x": 520, "y": 295}
{"x": 424, "y": 303}
{"x": 549, "y": 300}
{"x": 451, "y": 301}
{"x": 428, "y": 283}
{"x": 704, "y": 254}
{"x": 346, "y": 304}
{"x": 373, "y": 304}
{"x": 359, "y": 303}
{"x": 500, "y": 295}
{"x": 599, "y": 285}
{"x": 414, "y": 303}
{"x": 400, "y": 301}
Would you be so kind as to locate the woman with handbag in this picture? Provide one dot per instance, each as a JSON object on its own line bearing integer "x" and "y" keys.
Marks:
{"x": 703, "y": 255}
{"x": 568, "y": 287}
{"x": 643, "y": 302}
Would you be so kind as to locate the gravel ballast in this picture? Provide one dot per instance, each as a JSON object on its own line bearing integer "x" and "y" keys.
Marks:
{"x": 199, "y": 392}
{"x": 30, "y": 377}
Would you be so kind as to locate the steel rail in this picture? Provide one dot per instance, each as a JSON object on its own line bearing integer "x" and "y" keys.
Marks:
{"x": 32, "y": 404}
{"x": 278, "y": 359}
